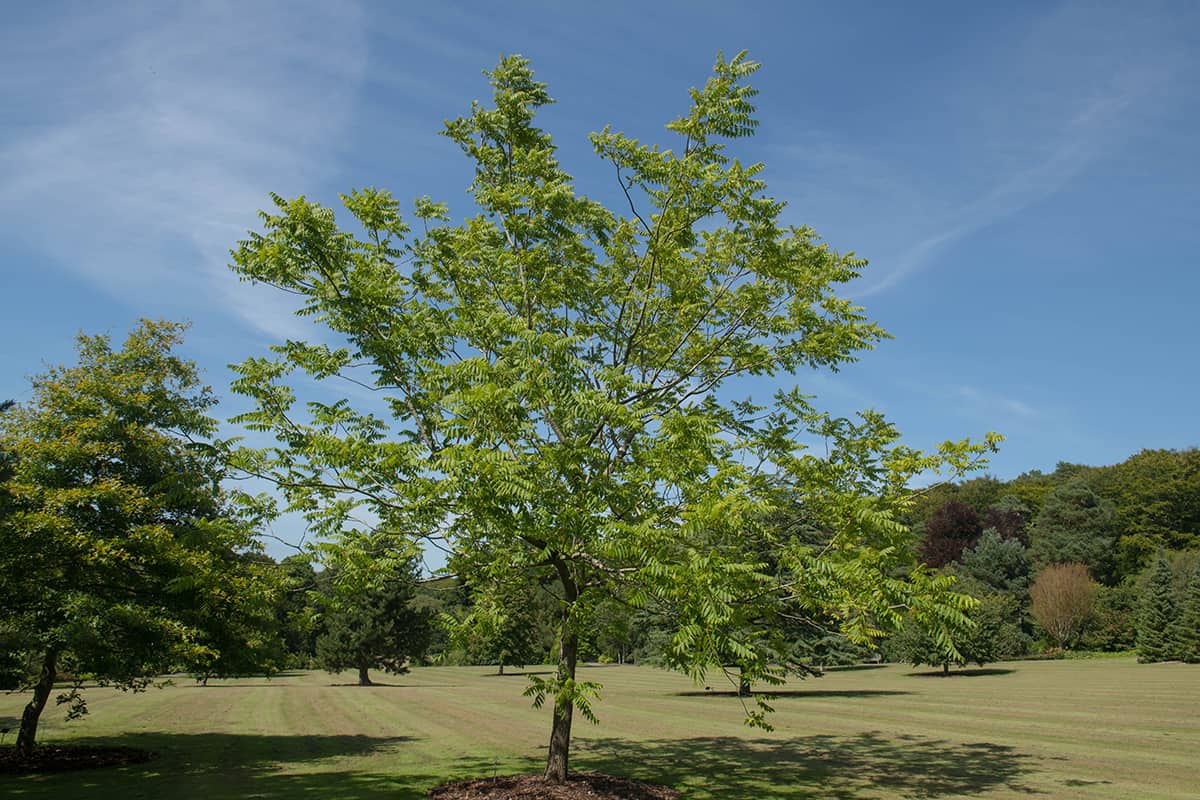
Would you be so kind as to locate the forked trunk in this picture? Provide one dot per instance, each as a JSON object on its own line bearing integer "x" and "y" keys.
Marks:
{"x": 363, "y": 678}
{"x": 27, "y": 736}
{"x": 564, "y": 710}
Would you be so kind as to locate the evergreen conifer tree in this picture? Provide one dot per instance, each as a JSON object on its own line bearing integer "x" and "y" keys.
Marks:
{"x": 1158, "y": 613}
{"x": 1188, "y": 636}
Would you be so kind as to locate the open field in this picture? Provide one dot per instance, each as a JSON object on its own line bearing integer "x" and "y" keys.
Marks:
{"x": 1094, "y": 729}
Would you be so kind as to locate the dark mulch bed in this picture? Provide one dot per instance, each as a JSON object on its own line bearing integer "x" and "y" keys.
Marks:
{"x": 533, "y": 787}
{"x": 56, "y": 758}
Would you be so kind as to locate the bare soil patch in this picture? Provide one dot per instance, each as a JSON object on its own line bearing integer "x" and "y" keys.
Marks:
{"x": 579, "y": 786}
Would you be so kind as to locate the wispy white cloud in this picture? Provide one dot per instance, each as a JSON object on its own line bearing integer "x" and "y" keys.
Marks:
{"x": 1017, "y": 126}
{"x": 1095, "y": 128}
{"x": 147, "y": 151}
{"x": 990, "y": 403}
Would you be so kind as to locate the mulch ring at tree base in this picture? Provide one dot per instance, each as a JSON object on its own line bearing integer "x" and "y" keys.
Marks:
{"x": 534, "y": 787}
{"x": 54, "y": 758}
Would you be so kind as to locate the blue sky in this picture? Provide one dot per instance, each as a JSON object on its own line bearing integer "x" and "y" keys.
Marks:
{"x": 1023, "y": 177}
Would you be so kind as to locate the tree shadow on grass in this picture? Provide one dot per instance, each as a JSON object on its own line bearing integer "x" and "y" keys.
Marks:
{"x": 962, "y": 673}
{"x": 784, "y": 693}
{"x": 217, "y": 766}
{"x": 518, "y": 674}
{"x": 826, "y": 767}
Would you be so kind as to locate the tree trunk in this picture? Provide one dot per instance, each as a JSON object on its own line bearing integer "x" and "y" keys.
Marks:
{"x": 363, "y": 678}
{"x": 564, "y": 710}
{"x": 945, "y": 668}
{"x": 33, "y": 711}
{"x": 501, "y": 670}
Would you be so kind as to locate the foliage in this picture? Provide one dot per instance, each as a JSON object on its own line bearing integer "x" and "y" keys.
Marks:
{"x": 1188, "y": 629}
{"x": 1156, "y": 640}
{"x": 238, "y": 625}
{"x": 295, "y": 612}
{"x": 1154, "y": 496}
{"x": 1075, "y": 526}
{"x": 370, "y": 621}
{"x": 1009, "y": 517}
{"x": 1113, "y": 627}
{"x": 1062, "y": 598}
{"x": 558, "y": 376}
{"x": 992, "y": 634}
{"x": 952, "y": 528}
{"x": 119, "y": 556}
{"x": 503, "y": 626}
{"x": 999, "y": 563}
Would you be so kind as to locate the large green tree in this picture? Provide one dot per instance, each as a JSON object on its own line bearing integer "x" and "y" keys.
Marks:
{"x": 561, "y": 376}
{"x": 118, "y": 550}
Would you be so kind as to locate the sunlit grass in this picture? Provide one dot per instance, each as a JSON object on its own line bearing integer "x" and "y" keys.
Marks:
{"x": 1096, "y": 729}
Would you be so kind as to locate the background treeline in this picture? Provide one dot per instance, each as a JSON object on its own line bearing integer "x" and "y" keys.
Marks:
{"x": 1082, "y": 558}
{"x": 1068, "y": 559}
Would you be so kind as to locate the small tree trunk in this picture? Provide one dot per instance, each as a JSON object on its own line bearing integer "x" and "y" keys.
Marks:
{"x": 564, "y": 710}
{"x": 501, "y": 670}
{"x": 363, "y": 678}
{"x": 27, "y": 736}
{"x": 945, "y": 668}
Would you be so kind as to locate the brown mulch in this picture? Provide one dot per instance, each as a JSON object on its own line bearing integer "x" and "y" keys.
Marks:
{"x": 592, "y": 786}
{"x": 60, "y": 758}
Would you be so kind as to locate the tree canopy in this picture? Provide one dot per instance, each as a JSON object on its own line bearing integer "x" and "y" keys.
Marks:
{"x": 118, "y": 549}
{"x": 560, "y": 378}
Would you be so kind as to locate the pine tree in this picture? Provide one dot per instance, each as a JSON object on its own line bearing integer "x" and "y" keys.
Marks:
{"x": 1158, "y": 613}
{"x": 372, "y": 625}
{"x": 1188, "y": 636}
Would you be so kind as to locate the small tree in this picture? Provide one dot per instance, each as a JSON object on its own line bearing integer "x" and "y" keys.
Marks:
{"x": 370, "y": 621}
{"x": 1158, "y": 617}
{"x": 118, "y": 547}
{"x": 1062, "y": 598}
{"x": 952, "y": 528}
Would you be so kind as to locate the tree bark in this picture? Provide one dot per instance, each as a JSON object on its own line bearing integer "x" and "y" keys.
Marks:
{"x": 27, "y": 736}
{"x": 363, "y": 678}
{"x": 564, "y": 711}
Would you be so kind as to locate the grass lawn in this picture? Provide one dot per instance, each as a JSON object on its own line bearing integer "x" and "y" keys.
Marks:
{"x": 1096, "y": 729}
